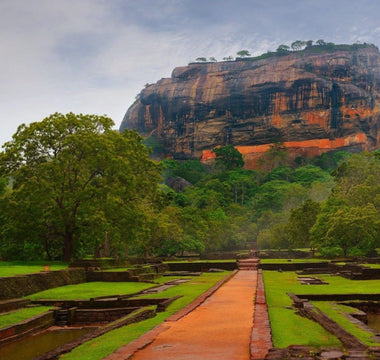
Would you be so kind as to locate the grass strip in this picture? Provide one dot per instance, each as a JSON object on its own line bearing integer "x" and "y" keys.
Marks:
{"x": 338, "y": 312}
{"x": 288, "y": 328}
{"x": 13, "y": 268}
{"x": 372, "y": 266}
{"x": 20, "y": 315}
{"x": 289, "y": 261}
{"x": 90, "y": 290}
{"x": 106, "y": 344}
{"x": 282, "y": 316}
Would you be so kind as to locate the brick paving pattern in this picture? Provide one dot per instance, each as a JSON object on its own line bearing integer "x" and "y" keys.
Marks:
{"x": 218, "y": 329}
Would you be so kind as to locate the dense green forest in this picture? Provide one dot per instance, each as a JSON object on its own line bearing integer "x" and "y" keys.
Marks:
{"x": 72, "y": 187}
{"x": 330, "y": 203}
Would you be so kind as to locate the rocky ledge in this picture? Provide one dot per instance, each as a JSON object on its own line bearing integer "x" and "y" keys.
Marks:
{"x": 311, "y": 101}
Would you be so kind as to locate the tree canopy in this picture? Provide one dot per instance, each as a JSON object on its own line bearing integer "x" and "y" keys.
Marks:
{"x": 69, "y": 182}
{"x": 228, "y": 157}
{"x": 243, "y": 53}
{"x": 72, "y": 180}
{"x": 349, "y": 221}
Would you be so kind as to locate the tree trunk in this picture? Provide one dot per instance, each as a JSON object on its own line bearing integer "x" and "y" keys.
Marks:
{"x": 68, "y": 247}
{"x": 46, "y": 243}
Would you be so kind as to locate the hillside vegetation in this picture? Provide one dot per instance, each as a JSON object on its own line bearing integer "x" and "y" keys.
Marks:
{"x": 71, "y": 187}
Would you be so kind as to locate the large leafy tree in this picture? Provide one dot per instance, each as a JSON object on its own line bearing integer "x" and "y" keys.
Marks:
{"x": 74, "y": 179}
{"x": 352, "y": 230}
{"x": 298, "y": 45}
{"x": 300, "y": 222}
{"x": 349, "y": 220}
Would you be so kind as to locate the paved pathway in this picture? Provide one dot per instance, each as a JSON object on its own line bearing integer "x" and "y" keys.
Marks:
{"x": 219, "y": 329}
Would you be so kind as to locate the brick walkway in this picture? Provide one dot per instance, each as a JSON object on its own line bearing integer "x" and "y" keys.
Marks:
{"x": 229, "y": 325}
{"x": 219, "y": 329}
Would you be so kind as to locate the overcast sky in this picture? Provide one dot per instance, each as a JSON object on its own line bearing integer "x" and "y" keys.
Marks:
{"x": 94, "y": 56}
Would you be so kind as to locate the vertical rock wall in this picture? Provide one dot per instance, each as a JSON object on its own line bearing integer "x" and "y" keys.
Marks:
{"x": 311, "y": 101}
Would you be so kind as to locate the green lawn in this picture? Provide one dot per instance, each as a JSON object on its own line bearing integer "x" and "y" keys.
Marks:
{"x": 12, "y": 268}
{"x": 102, "y": 346}
{"x": 91, "y": 290}
{"x": 373, "y": 266}
{"x": 337, "y": 313}
{"x": 17, "y": 316}
{"x": 283, "y": 317}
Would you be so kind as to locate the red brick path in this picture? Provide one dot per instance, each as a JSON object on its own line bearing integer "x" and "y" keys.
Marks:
{"x": 218, "y": 329}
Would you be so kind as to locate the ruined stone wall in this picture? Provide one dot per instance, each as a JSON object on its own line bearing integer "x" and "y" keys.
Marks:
{"x": 31, "y": 325}
{"x": 22, "y": 285}
{"x": 202, "y": 266}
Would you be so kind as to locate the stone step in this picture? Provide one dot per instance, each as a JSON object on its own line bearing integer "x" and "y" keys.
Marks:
{"x": 62, "y": 317}
{"x": 248, "y": 264}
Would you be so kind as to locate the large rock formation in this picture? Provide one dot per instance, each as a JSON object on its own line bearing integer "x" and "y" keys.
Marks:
{"x": 311, "y": 101}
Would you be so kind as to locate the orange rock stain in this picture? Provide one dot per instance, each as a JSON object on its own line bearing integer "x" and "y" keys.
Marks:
{"x": 308, "y": 147}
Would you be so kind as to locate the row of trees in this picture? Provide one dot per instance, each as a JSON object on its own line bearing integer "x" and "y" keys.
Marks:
{"x": 283, "y": 49}
{"x": 348, "y": 222}
{"x": 241, "y": 53}
{"x": 331, "y": 204}
{"x": 295, "y": 46}
{"x": 69, "y": 182}
{"x": 302, "y": 44}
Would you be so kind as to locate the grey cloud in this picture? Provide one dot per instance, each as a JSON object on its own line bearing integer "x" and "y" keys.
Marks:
{"x": 94, "y": 56}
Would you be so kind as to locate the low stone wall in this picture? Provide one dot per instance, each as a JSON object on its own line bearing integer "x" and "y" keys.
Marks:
{"x": 302, "y": 352}
{"x": 261, "y": 336}
{"x": 13, "y": 304}
{"x": 27, "y": 327}
{"x": 366, "y": 274}
{"x": 295, "y": 266}
{"x": 372, "y": 307}
{"x": 98, "y": 263}
{"x": 139, "y": 273}
{"x": 106, "y": 263}
{"x": 339, "y": 297}
{"x": 19, "y": 286}
{"x": 96, "y": 316}
{"x": 286, "y": 254}
{"x": 202, "y": 266}
{"x": 223, "y": 255}
{"x": 102, "y": 304}
{"x": 308, "y": 310}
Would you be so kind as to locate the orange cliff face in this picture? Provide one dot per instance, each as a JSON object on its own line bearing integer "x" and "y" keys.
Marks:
{"x": 306, "y": 148}
{"x": 312, "y": 102}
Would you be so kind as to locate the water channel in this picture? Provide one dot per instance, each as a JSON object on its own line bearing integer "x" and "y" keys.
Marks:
{"x": 374, "y": 321}
{"x": 34, "y": 345}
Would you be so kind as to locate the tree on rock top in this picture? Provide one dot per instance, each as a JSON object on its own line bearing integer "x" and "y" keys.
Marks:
{"x": 243, "y": 53}
{"x": 73, "y": 179}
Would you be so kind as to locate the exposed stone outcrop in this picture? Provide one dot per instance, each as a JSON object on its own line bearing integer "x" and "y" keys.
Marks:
{"x": 311, "y": 101}
{"x": 177, "y": 183}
